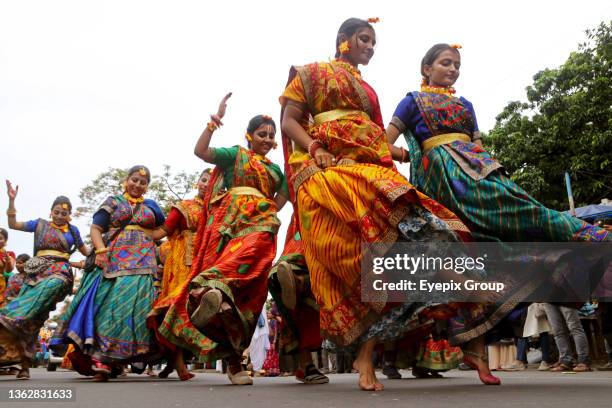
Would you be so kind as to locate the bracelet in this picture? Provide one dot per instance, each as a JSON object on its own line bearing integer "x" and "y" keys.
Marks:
{"x": 102, "y": 251}
{"x": 11, "y": 212}
{"x": 212, "y": 126}
{"x": 403, "y": 160}
{"x": 313, "y": 146}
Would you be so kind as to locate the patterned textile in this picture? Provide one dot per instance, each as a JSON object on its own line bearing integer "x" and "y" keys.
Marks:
{"x": 492, "y": 205}
{"x": 439, "y": 355}
{"x": 13, "y": 286}
{"x": 107, "y": 318}
{"x": 131, "y": 252}
{"x": 179, "y": 257}
{"x": 360, "y": 200}
{"x": 235, "y": 246}
{"x": 300, "y": 329}
{"x": 271, "y": 363}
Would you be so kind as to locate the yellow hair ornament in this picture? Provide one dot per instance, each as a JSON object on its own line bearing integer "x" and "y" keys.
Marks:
{"x": 373, "y": 20}
{"x": 142, "y": 171}
{"x": 65, "y": 206}
{"x": 248, "y": 137}
{"x": 344, "y": 47}
{"x": 456, "y": 46}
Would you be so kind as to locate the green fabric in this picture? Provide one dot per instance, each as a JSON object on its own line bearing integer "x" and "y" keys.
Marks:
{"x": 494, "y": 208}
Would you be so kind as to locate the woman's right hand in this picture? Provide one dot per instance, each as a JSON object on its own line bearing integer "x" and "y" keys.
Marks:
{"x": 102, "y": 260}
{"x": 323, "y": 158}
{"x": 10, "y": 191}
{"x": 221, "y": 110}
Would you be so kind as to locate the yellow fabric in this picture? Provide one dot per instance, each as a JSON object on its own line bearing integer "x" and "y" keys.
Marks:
{"x": 444, "y": 139}
{"x": 333, "y": 115}
{"x": 51, "y": 252}
{"x": 136, "y": 228}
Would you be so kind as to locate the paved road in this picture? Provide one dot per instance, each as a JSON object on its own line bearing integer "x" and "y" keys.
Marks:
{"x": 459, "y": 389}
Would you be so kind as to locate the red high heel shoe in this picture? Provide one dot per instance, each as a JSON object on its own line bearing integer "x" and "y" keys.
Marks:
{"x": 487, "y": 379}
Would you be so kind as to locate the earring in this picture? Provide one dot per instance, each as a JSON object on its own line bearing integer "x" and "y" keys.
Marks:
{"x": 344, "y": 47}
{"x": 275, "y": 145}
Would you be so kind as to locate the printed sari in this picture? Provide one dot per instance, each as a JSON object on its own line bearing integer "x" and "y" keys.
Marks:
{"x": 360, "y": 200}
{"x": 234, "y": 248}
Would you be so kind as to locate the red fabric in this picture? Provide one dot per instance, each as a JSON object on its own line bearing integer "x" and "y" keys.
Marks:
{"x": 175, "y": 220}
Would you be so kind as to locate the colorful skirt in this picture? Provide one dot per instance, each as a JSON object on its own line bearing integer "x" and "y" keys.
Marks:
{"x": 340, "y": 209}
{"x": 494, "y": 208}
{"x": 272, "y": 364}
{"x": 240, "y": 271}
{"x": 22, "y": 318}
{"x": 107, "y": 319}
{"x": 300, "y": 329}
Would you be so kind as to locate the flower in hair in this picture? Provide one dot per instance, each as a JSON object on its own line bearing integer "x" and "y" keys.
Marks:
{"x": 344, "y": 47}
{"x": 65, "y": 206}
{"x": 266, "y": 117}
{"x": 456, "y": 46}
{"x": 248, "y": 137}
{"x": 142, "y": 171}
{"x": 373, "y": 20}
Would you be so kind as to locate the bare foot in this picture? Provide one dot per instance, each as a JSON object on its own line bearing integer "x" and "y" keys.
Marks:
{"x": 367, "y": 376}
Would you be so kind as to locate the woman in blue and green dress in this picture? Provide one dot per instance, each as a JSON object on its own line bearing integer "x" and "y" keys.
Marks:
{"x": 106, "y": 321}
{"x": 215, "y": 314}
{"x": 449, "y": 163}
{"x": 48, "y": 280}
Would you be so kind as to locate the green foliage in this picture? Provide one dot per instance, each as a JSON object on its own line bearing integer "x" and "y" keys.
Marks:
{"x": 565, "y": 125}
{"x": 165, "y": 189}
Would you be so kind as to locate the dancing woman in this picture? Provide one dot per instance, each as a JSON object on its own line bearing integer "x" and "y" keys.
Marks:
{"x": 215, "y": 314}
{"x": 180, "y": 227}
{"x": 48, "y": 280}
{"x": 348, "y": 193}
{"x": 106, "y": 321}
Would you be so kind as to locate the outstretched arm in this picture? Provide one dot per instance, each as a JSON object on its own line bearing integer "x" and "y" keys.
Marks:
{"x": 202, "y": 149}
{"x": 11, "y": 212}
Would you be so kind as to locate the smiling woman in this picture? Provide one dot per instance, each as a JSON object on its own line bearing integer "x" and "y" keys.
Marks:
{"x": 216, "y": 312}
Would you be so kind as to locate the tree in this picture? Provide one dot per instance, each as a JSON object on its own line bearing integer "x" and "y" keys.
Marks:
{"x": 565, "y": 125}
{"x": 165, "y": 189}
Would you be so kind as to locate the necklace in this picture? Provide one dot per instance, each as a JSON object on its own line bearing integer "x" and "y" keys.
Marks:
{"x": 131, "y": 199}
{"x": 63, "y": 228}
{"x": 442, "y": 90}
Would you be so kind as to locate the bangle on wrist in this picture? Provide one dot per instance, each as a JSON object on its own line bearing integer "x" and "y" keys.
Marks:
{"x": 313, "y": 146}
{"x": 212, "y": 126}
{"x": 101, "y": 251}
{"x": 404, "y": 160}
{"x": 11, "y": 212}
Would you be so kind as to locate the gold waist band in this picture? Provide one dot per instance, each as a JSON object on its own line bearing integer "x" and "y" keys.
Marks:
{"x": 53, "y": 253}
{"x": 244, "y": 190}
{"x": 135, "y": 228}
{"x": 335, "y": 115}
{"x": 444, "y": 139}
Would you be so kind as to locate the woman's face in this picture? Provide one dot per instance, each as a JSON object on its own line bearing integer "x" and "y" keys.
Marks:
{"x": 203, "y": 184}
{"x": 136, "y": 184}
{"x": 2, "y": 241}
{"x": 361, "y": 46}
{"x": 263, "y": 139}
{"x": 20, "y": 265}
{"x": 445, "y": 69}
{"x": 60, "y": 214}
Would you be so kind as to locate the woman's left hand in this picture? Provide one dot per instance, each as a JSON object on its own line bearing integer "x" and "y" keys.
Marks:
{"x": 323, "y": 158}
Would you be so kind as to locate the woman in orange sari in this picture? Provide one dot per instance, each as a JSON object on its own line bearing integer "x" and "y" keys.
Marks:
{"x": 348, "y": 193}
{"x": 180, "y": 227}
{"x": 215, "y": 314}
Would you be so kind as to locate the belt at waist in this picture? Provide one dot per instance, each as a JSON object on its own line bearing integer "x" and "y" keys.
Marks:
{"x": 53, "y": 253}
{"x": 241, "y": 190}
{"x": 136, "y": 228}
{"x": 444, "y": 139}
{"x": 335, "y": 115}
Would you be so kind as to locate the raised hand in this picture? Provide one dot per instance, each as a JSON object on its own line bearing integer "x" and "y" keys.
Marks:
{"x": 221, "y": 111}
{"x": 10, "y": 191}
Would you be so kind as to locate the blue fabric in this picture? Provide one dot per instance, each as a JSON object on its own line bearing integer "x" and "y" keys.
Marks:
{"x": 82, "y": 321}
{"x": 30, "y": 226}
{"x": 159, "y": 214}
{"x": 408, "y": 112}
{"x": 101, "y": 218}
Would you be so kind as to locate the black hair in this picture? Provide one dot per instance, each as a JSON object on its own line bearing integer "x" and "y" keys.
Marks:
{"x": 62, "y": 200}
{"x": 4, "y": 233}
{"x": 206, "y": 171}
{"x": 350, "y": 27}
{"x": 257, "y": 121}
{"x": 23, "y": 257}
{"x": 433, "y": 53}
{"x": 136, "y": 169}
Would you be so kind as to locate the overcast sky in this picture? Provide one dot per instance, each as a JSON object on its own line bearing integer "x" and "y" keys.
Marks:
{"x": 87, "y": 85}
